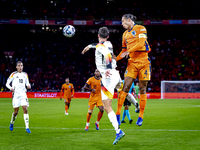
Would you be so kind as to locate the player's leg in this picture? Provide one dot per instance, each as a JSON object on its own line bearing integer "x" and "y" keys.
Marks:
{"x": 69, "y": 101}
{"x": 128, "y": 114}
{"x": 122, "y": 96}
{"x": 91, "y": 105}
{"x": 132, "y": 99}
{"x": 16, "y": 103}
{"x": 25, "y": 105}
{"x": 14, "y": 116}
{"x": 66, "y": 107}
{"x": 144, "y": 77}
{"x": 143, "y": 100}
{"x": 124, "y": 113}
{"x": 99, "y": 116}
{"x": 26, "y": 118}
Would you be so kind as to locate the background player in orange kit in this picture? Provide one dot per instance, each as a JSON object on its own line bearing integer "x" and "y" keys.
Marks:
{"x": 134, "y": 45}
{"x": 93, "y": 85}
{"x": 68, "y": 94}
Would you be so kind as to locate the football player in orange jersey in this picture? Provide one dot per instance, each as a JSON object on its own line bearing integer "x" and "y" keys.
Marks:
{"x": 68, "y": 94}
{"x": 93, "y": 85}
{"x": 134, "y": 45}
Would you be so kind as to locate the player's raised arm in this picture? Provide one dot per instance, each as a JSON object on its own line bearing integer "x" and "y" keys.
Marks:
{"x": 10, "y": 79}
{"x": 27, "y": 82}
{"x": 93, "y": 45}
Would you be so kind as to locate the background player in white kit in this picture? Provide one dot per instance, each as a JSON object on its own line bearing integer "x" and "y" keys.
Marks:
{"x": 19, "y": 81}
{"x": 110, "y": 76}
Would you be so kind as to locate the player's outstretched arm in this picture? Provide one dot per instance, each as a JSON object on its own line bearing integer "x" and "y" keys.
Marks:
{"x": 87, "y": 48}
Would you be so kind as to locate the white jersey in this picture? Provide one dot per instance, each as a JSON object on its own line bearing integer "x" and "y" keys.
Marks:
{"x": 19, "y": 83}
{"x": 102, "y": 49}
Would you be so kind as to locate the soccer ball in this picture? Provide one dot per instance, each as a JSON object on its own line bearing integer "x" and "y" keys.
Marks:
{"x": 68, "y": 31}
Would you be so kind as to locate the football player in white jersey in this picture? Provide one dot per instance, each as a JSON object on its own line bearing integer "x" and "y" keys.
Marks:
{"x": 110, "y": 76}
{"x": 19, "y": 82}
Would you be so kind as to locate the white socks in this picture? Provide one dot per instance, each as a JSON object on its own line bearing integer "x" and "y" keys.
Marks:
{"x": 113, "y": 119}
{"x": 26, "y": 120}
{"x": 87, "y": 124}
{"x": 13, "y": 118}
{"x": 131, "y": 99}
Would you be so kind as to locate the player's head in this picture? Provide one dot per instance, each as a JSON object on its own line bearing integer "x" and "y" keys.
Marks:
{"x": 19, "y": 66}
{"x": 97, "y": 73}
{"x": 128, "y": 20}
{"x": 67, "y": 80}
{"x": 137, "y": 83}
{"x": 103, "y": 33}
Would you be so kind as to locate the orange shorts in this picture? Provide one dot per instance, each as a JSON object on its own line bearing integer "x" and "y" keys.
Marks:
{"x": 68, "y": 100}
{"x": 142, "y": 70}
{"x": 91, "y": 104}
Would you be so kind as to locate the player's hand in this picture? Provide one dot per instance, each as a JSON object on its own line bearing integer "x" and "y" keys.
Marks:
{"x": 93, "y": 90}
{"x": 107, "y": 73}
{"x": 60, "y": 98}
{"x": 125, "y": 54}
{"x": 72, "y": 96}
{"x": 12, "y": 90}
{"x": 85, "y": 49}
{"x": 29, "y": 87}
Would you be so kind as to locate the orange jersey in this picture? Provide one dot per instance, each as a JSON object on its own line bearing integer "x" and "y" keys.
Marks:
{"x": 95, "y": 84}
{"x": 135, "y": 42}
{"x": 68, "y": 88}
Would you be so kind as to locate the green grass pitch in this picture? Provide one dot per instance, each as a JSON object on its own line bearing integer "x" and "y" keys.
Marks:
{"x": 168, "y": 124}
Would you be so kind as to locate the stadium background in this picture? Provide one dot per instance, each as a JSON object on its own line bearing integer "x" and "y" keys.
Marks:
{"x": 32, "y": 32}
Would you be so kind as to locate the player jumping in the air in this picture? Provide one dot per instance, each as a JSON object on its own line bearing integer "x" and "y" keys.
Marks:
{"x": 110, "y": 76}
{"x": 134, "y": 45}
{"x": 93, "y": 85}
{"x": 68, "y": 94}
{"x": 19, "y": 82}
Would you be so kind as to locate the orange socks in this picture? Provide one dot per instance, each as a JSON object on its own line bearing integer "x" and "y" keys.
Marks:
{"x": 143, "y": 101}
{"x": 66, "y": 108}
{"x": 88, "y": 117}
{"x": 100, "y": 114}
{"x": 121, "y": 99}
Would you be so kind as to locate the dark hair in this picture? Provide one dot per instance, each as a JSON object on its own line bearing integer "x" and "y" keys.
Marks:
{"x": 103, "y": 32}
{"x": 67, "y": 78}
{"x": 127, "y": 16}
{"x": 18, "y": 62}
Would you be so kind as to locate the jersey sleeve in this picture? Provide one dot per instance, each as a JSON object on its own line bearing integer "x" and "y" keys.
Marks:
{"x": 88, "y": 81}
{"x": 106, "y": 53}
{"x": 10, "y": 79}
{"x": 142, "y": 35}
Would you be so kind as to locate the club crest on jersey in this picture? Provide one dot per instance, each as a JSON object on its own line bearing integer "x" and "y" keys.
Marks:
{"x": 69, "y": 86}
{"x": 126, "y": 72}
{"x": 133, "y": 33}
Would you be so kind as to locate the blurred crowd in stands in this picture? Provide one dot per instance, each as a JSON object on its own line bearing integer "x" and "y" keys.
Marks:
{"x": 98, "y": 9}
{"x": 49, "y": 57}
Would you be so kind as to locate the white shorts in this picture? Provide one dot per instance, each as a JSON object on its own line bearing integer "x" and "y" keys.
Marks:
{"x": 20, "y": 101}
{"x": 108, "y": 85}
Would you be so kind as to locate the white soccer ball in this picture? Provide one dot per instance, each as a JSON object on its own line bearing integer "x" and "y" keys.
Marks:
{"x": 68, "y": 31}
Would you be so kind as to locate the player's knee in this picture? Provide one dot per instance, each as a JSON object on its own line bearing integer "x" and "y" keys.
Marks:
{"x": 90, "y": 111}
{"x": 126, "y": 89}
